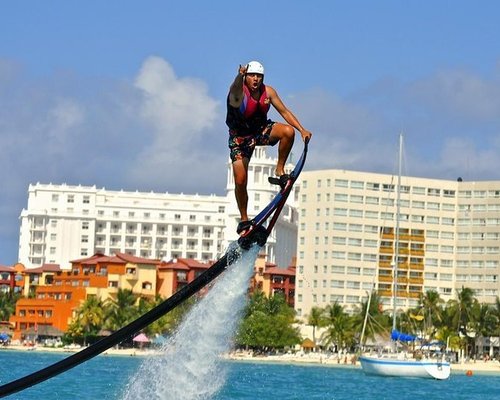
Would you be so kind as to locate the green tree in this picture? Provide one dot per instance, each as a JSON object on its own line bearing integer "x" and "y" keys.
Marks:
{"x": 431, "y": 304}
{"x": 461, "y": 313}
{"x": 338, "y": 327}
{"x": 121, "y": 310}
{"x": 315, "y": 319}
{"x": 89, "y": 318}
{"x": 167, "y": 323}
{"x": 7, "y": 305}
{"x": 267, "y": 323}
{"x": 377, "y": 320}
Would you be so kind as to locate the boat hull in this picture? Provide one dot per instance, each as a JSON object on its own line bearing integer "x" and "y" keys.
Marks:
{"x": 386, "y": 366}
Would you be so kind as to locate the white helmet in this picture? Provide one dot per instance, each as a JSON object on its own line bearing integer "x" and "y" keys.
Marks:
{"x": 255, "y": 67}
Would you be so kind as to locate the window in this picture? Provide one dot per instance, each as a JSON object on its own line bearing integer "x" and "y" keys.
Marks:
{"x": 341, "y": 197}
{"x": 71, "y": 198}
{"x": 432, "y": 206}
{"x": 340, "y": 211}
{"x": 371, "y": 200}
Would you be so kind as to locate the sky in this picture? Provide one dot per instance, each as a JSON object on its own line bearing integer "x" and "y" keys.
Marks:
{"x": 131, "y": 95}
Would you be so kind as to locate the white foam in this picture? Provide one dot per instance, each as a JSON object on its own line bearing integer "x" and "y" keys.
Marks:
{"x": 189, "y": 366}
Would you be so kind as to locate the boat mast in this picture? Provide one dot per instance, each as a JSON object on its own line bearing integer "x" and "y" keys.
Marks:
{"x": 396, "y": 244}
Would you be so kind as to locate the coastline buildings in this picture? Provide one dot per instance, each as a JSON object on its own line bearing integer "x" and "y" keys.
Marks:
{"x": 449, "y": 238}
{"x": 63, "y": 222}
{"x": 51, "y": 296}
{"x": 339, "y": 224}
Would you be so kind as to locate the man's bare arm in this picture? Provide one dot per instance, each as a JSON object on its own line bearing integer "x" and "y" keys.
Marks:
{"x": 236, "y": 89}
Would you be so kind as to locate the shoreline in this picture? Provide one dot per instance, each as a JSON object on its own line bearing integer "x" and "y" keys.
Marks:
{"x": 480, "y": 366}
{"x": 483, "y": 367}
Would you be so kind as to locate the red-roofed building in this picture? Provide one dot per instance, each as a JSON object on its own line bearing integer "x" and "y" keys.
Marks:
{"x": 7, "y": 279}
{"x": 177, "y": 273}
{"x": 57, "y": 293}
{"x": 12, "y": 278}
{"x": 273, "y": 280}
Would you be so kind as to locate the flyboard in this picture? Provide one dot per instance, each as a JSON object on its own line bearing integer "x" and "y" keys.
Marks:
{"x": 256, "y": 233}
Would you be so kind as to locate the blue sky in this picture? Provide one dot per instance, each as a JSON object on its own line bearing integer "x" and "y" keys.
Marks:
{"x": 131, "y": 95}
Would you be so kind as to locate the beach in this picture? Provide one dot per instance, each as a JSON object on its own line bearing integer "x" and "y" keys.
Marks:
{"x": 316, "y": 358}
{"x": 349, "y": 361}
{"x": 74, "y": 349}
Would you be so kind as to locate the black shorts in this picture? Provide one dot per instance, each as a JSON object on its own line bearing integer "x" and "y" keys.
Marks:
{"x": 242, "y": 146}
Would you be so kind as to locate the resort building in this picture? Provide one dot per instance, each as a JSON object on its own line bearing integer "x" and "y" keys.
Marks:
{"x": 62, "y": 222}
{"x": 7, "y": 279}
{"x": 12, "y": 278}
{"x": 271, "y": 280}
{"x": 175, "y": 274}
{"x": 55, "y": 294}
{"x": 449, "y": 235}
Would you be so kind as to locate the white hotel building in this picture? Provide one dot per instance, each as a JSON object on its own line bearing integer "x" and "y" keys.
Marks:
{"x": 449, "y": 238}
{"x": 342, "y": 232}
{"x": 62, "y": 222}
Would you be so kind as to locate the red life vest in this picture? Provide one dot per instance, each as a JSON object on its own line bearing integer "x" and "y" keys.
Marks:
{"x": 251, "y": 116}
{"x": 249, "y": 106}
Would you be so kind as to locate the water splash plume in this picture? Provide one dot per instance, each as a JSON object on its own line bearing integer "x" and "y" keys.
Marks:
{"x": 189, "y": 366}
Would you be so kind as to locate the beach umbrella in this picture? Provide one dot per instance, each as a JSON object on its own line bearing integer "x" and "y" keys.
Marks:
{"x": 141, "y": 338}
{"x": 308, "y": 344}
{"x": 43, "y": 330}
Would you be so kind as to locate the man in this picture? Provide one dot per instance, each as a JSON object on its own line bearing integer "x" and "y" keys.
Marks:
{"x": 248, "y": 102}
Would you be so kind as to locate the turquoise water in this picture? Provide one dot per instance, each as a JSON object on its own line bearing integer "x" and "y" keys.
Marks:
{"x": 104, "y": 377}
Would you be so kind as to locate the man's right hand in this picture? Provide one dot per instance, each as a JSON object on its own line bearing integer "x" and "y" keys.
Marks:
{"x": 242, "y": 70}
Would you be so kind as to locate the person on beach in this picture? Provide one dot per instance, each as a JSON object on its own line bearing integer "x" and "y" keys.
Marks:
{"x": 248, "y": 103}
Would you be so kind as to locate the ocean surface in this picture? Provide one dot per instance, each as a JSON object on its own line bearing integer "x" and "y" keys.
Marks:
{"x": 106, "y": 377}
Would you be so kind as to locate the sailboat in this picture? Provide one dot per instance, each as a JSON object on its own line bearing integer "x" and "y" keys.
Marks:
{"x": 403, "y": 363}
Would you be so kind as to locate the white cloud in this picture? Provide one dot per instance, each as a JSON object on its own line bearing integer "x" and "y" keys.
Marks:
{"x": 62, "y": 120}
{"x": 460, "y": 93}
{"x": 182, "y": 116}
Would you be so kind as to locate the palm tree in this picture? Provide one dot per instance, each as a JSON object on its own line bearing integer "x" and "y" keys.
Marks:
{"x": 121, "y": 310}
{"x": 168, "y": 322}
{"x": 338, "y": 327}
{"x": 315, "y": 319}
{"x": 496, "y": 313}
{"x": 90, "y": 317}
{"x": 7, "y": 305}
{"x": 462, "y": 317}
{"x": 431, "y": 303}
{"x": 377, "y": 320}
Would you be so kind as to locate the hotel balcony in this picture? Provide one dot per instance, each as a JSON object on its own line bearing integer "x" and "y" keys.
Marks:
{"x": 417, "y": 238}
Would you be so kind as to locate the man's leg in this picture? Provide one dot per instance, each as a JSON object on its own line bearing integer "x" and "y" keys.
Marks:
{"x": 240, "y": 172}
{"x": 285, "y": 135}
